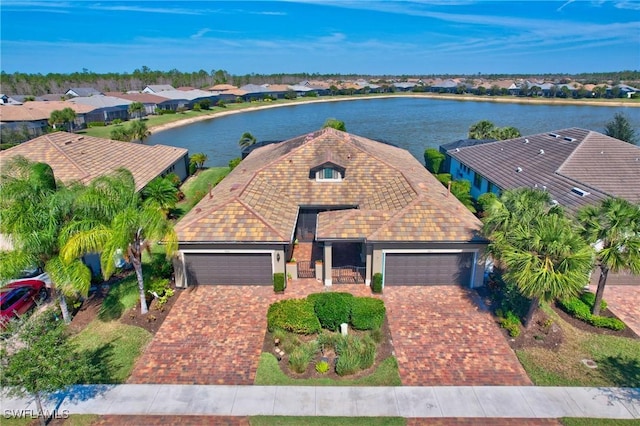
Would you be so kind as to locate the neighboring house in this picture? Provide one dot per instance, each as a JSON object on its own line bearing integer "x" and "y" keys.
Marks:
{"x": 149, "y": 100}
{"x": 576, "y": 166}
{"x": 83, "y": 158}
{"x": 9, "y": 100}
{"x": 364, "y": 207}
{"x": 34, "y": 116}
{"x": 174, "y": 99}
{"x": 82, "y": 92}
{"x": 105, "y": 108}
{"x": 156, "y": 88}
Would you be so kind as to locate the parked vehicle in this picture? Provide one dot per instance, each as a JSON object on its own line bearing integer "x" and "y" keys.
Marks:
{"x": 35, "y": 273}
{"x": 19, "y": 297}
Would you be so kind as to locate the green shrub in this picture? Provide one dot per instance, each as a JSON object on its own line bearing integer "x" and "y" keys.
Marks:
{"x": 581, "y": 309}
{"x": 510, "y": 322}
{"x": 433, "y": 160}
{"x": 377, "y": 335}
{"x": 278, "y": 281}
{"x": 354, "y": 354}
{"x": 332, "y": 309}
{"x": 590, "y": 299}
{"x": 233, "y": 163}
{"x": 295, "y": 315}
{"x": 96, "y": 124}
{"x": 376, "y": 285}
{"x": 322, "y": 367}
{"x": 301, "y": 356}
{"x": 367, "y": 313}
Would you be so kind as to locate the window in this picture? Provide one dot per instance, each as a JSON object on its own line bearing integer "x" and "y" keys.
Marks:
{"x": 328, "y": 174}
{"x": 477, "y": 180}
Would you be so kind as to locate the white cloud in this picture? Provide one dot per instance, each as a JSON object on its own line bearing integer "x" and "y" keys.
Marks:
{"x": 200, "y": 33}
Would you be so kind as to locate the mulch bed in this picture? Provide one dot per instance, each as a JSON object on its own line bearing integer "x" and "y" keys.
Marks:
{"x": 384, "y": 351}
{"x": 151, "y": 322}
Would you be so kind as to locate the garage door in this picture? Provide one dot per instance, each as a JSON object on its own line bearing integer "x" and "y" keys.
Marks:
{"x": 428, "y": 268}
{"x": 229, "y": 268}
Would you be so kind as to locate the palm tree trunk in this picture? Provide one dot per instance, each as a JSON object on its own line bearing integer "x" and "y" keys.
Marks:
{"x": 43, "y": 421}
{"x": 137, "y": 266}
{"x": 64, "y": 308}
{"x": 535, "y": 302}
{"x": 602, "y": 281}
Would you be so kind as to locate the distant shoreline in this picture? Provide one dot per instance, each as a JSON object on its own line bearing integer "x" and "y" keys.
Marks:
{"x": 513, "y": 100}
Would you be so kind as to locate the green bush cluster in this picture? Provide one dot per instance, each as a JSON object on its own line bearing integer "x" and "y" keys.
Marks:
{"x": 322, "y": 367}
{"x": 332, "y": 309}
{"x": 367, "y": 313}
{"x": 510, "y": 322}
{"x": 96, "y": 124}
{"x": 295, "y": 315}
{"x": 279, "y": 282}
{"x": 576, "y": 307}
{"x": 590, "y": 299}
{"x": 376, "y": 285}
{"x": 354, "y": 354}
{"x": 301, "y": 356}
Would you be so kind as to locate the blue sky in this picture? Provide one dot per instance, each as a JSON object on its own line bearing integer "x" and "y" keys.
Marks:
{"x": 368, "y": 37}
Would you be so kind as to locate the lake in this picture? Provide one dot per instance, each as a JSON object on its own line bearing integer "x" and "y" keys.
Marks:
{"x": 410, "y": 123}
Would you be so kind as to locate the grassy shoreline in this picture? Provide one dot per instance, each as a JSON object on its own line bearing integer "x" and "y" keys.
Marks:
{"x": 165, "y": 122}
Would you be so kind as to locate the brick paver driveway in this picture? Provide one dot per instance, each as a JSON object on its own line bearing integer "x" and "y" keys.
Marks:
{"x": 624, "y": 302}
{"x": 441, "y": 338}
{"x": 214, "y": 335}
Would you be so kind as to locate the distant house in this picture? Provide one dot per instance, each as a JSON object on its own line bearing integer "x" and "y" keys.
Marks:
{"x": 105, "y": 108}
{"x": 33, "y": 117}
{"x": 150, "y": 101}
{"x": 9, "y": 100}
{"x": 83, "y": 158}
{"x": 174, "y": 99}
{"x": 156, "y": 88}
{"x": 82, "y": 91}
{"x": 576, "y": 166}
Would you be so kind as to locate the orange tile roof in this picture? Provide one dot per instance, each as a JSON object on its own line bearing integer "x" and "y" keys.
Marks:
{"x": 38, "y": 110}
{"x": 82, "y": 158}
{"x": 391, "y": 196}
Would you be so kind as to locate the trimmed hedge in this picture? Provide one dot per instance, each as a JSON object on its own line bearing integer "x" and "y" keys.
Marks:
{"x": 295, "y": 315}
{"x": 332, "y": 309}
{"x": 367, "y": 313}
{"x": 279, "y": 283}
{"x": 577, "y": 308}
{"x": 376, "y": 285}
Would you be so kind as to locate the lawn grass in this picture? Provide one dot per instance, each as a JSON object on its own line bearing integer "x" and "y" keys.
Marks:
{"x": 122, "y": 295}
{"x": 72, "y": 420}
{"x": 269, "y": 373}
{"x": 618, "y": 360}
{"x": 197, "y": 187}
{"x": 116, "y": 344}
{"x": 325, "y": 421}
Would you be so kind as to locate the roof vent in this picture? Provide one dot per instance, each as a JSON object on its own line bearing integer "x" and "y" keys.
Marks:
{"x": 457, "y": 149}
{"x": 518, "y": 169}
{"x": 580, "y": 192}
{"x": 526, "y": 141}
{"x": 541, "y": 152}
{"x": 544, "y": 187}
{"x": 568, "y": 139}
{"x": 554, "y": 202}
{"x": 554, "y": 135}
{"x": 68, "y": 142}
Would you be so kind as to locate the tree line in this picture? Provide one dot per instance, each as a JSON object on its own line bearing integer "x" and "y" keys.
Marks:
{"x": 38, "y": 84}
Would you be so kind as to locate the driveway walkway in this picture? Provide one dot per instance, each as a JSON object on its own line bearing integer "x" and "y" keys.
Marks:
{"x": 442, "y": 338}
{"x": 214, "y": 334}
{"x": 624, "y": 302}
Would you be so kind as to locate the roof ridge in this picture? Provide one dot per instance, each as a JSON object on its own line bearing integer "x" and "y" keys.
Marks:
{"x": 261, "y": 219}
{"x": 64, "y": 153}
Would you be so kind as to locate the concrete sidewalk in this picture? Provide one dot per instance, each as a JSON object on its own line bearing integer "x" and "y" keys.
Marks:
{"x": 403, "y": 401}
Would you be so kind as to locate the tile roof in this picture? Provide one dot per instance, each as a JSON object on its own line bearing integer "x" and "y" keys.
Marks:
{"x": 385, "y": 193}
{"x": 38, "y": 110}
{"x": 82, "y": 158}
{"x": 143, "y": 97}
{"x": 558, "y": 161}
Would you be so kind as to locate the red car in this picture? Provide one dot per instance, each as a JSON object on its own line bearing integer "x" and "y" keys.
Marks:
{"x": 19, "y": 297}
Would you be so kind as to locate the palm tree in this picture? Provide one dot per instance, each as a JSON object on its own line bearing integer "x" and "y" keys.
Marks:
{"x": 199, "y": 158}
{"x": 538, "y": 248}
{"x": 335, "y": 124}
{"x": 136, "y": 109}
{"x": 160, "y": 193}
{"x": 481, "y": 130}
{"x": 613, "y": 227}
{"x": 246, "y": 140}
{"x": 130, "y": 225}
{"x": 138, "y": 130}
{"x": 33, "y": 211}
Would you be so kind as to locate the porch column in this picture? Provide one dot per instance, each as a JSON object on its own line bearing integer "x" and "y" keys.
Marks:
{"x": 327, "y": 263}
{"x": 368, "y": 249}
